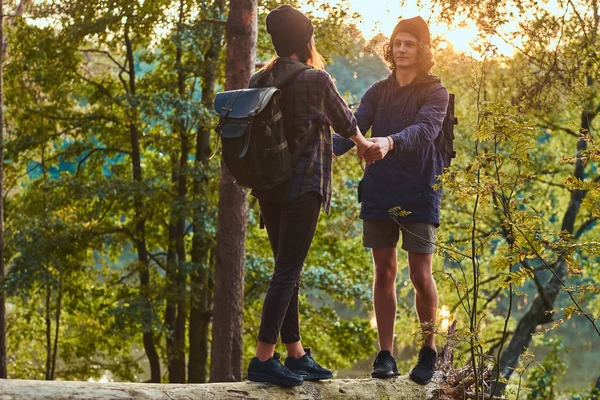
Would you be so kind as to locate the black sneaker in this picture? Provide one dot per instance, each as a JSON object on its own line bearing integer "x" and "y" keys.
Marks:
{"x": 308, "y": 367}
{"x": 423, "y": 371}
{"x": 272, "y": 371}
{"x": 384, "y": 365}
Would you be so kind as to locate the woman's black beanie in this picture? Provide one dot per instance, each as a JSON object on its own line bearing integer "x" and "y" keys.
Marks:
{"x": 290, "y": 30}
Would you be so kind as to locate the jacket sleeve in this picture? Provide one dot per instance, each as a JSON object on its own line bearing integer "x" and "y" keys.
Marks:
{"x": 364, "y": 117}
{"x": 337, "y": 114}
{"x": 428, "y": 122}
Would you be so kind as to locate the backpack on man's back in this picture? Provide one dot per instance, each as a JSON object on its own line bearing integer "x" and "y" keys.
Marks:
{"x": 445, "y": 140}
{"x": 255, "y": 148}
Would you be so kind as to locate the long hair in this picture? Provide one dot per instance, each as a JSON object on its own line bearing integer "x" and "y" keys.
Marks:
{"x": 424, "y": 56}
{"x": 307, "y": 55}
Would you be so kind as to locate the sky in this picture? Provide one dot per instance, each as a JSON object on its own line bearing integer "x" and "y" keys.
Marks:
{"x": 382, "y": 16}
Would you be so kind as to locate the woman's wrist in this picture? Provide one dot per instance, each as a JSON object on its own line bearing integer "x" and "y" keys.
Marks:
{"x": 391, "y": 142}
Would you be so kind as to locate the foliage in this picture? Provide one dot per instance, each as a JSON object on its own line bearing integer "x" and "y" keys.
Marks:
{"x": 71, "y": 219}
{"x": 80, "y": 81}
{"x": 542, "y": 378}
{"x": 517, "y": 205}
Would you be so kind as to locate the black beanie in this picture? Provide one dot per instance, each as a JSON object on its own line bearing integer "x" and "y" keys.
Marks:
{"x": 415, "y": 26}
{"x": 290, "y": 30}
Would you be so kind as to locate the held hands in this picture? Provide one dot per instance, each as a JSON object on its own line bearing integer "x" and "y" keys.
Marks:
{"x": 362, "y": 147}
{"x": 380, "y": 147}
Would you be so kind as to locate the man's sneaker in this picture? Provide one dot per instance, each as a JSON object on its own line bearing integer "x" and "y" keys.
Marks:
{"x": 384, "y": 365}
{"x": 423, "y": 371}
{"x": 272, "y": 371}
{"x": 307, "y": 367}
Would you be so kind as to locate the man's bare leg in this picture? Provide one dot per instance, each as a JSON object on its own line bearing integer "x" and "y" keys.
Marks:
{"x": 426, "y": 296}
{"x": 384, "y": 295}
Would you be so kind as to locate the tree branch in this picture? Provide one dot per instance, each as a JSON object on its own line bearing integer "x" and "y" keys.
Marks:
{"x": 100, "y": 87}
{"x": 106, "y": 53}
{"x": 18, "y": 12}
{"x": 538, "y": 284}
{"x": 98, "y": 149}
{"x": 585, "y": 226}
{"x": 215, "y": 20}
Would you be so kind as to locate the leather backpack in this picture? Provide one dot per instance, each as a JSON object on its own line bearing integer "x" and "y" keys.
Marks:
{"x": 251, "y": 130}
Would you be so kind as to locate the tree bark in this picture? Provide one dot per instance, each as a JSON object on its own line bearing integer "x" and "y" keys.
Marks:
{"x": 57, "y": 327}
{"x": 48, "y": 331}
{"x": 200, "y": 304}
{"x": 538, "y": 312}
{"x": 2, "y": 271}
{"x": 140, "y": 219}
{"x": 182, "y": 177}
{"x": 241, "y": 32}
{"x": 176, "y": 312}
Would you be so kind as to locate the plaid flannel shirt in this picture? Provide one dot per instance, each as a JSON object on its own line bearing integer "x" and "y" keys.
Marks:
{"x": 311, "y": 100}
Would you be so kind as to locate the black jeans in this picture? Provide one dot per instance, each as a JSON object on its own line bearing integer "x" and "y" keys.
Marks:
{"x": 291, "y": 227}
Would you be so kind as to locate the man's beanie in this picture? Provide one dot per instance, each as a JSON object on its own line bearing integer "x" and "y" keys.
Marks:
{"x": 290, "y": 30}
{"x": 415, "y": 26}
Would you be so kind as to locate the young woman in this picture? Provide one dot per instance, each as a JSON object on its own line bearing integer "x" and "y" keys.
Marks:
{"x": 310, "y": 105}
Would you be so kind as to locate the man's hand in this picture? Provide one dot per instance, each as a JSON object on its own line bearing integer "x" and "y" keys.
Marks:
{"x": 381, "y": 146}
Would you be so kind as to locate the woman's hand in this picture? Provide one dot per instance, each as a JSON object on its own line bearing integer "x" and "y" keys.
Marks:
{"x": 362, "y": 147}
{"x": 362, "y": 144}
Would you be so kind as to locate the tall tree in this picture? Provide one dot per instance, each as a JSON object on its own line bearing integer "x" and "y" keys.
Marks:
{"x": 200, "y": 282}
{"x": 176, "y": 310}
{"x": 2, "y": 292}
{"x": 226, "y": 349}
{"x": 23, "y": 4}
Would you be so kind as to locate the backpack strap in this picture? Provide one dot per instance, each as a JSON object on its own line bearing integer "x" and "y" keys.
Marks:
{"x": 302, "y": 145}
{"x": 279, "y": 80}
{"x": 222, "y": 116}
{"x": 282, "y": 78}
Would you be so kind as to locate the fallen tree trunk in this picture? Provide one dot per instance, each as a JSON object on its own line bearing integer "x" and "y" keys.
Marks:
{"x": 400, "y": 388}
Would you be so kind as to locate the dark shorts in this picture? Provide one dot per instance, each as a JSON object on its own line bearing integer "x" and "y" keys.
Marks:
{"x": 417, "y": 237}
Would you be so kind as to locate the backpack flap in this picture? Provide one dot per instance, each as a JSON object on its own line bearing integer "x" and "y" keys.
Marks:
{"x": 237, "y": 109}
{"x": 243, "y": 103}
{"x": 234, "y": 129}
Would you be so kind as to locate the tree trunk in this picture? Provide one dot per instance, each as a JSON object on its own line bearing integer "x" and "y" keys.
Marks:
{"x": 140, "y": 221}
{"x": 241, "y": 32}
{"x": 171, "y": 307}
{"x": 2, "y": 272}
{"x": 538, "y": 312}
{"x": 170, "y": 289}
{"x": 48, "y": 320}
{"x": 201, "y": 293}
{"x": 3, "y": 49}
{"x": 182, "y": 174}
{"x": 57, "y": 327}
{"x": 177, "y": 277}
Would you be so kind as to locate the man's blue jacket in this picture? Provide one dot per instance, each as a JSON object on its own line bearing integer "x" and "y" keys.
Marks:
{"x": 412, "y": 116}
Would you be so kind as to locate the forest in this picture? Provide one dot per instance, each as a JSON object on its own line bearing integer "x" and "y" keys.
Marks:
{"x": 127, "y": 252}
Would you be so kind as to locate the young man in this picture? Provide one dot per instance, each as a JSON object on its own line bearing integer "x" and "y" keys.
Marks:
{"x": 405, "y": 114}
